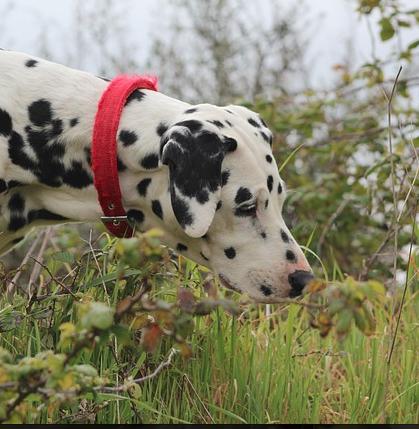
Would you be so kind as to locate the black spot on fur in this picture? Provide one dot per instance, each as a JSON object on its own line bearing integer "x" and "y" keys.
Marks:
{"x": 5, "y": 123}
{"x": 136, "y": 95}
{"x": 229, "y": 111}
{"x": 192, "y": 124}
{"x": 37, "y": 139}
{"x": 135, "y": 216}
{"x": 224, "y": 177}
{"x": 104, "y": 78}
{"x": 268, "y": 139}
{"x": 143, "y": 186}
{"x": 16, "y": 222}
{"x": 284, "y": 236}
{"x": 161, "y": 128}
{"x": 266, "y": 290}
{"x": 253, "y": 123}
{"x": 230, "y": 252}
{"x": 76, "y": 176}
{"x": 191, "y": 110}
{"x": 14, "y": 184}
{"x": 120, "y": 165}
{"x": 128, "y": 138}
{"x": 74, "y": 122}
{"x": 183, "y": 215}
{"x": 157, "y": 209}
{"x": 229, "y": 123}
{"x": 150, "y": 161}
{"x": 290, "y": 255}
{"x": 17, "y": 154}
{"x": 217, "y": 123}
{"x": 40, "y": 112}
{"x": 270, "y": 182}
{"x": 269, "y": 158}
{"x": 230, "y": 144}
{"x": 88, "y": 155}
{"x": 181, "y": 247}
{"x": 31, "y": 63}
{"x": 242, "y": 195}
{"x": 279, "y": 188}
{"x": 202, "y": 196}
{"x": 57, "y": 128}
{"x": 266, "y": 204}
{"x": 219, "y": 205}
{"x": 16, "y": 203}
{"x": 43, "y": 214}
{"x": 3, "y": 186}
{"x": 263, "y": 234}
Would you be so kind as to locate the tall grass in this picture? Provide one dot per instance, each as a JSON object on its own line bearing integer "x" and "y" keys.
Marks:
{"x": 252, "y": 368}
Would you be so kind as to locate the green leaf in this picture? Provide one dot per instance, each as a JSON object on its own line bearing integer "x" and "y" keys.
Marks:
{"x": 98, "y": 315}
{"x": 122, "y": 333}
{"x": 387, "y": 29}
{"x": 85, "y": 369}
{"x": 413, "y": 45}
{"x": 403, "y": 23}
{"x": 344, "y": 322}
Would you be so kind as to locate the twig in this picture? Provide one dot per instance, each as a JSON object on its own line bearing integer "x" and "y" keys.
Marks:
{"x": 199, "y": 398}
{"x": 411, "y": 188}
{"x": 395, "y": 226}
{"x": 39, "y": 257}
{"x": 130, "y": 301}
{"x": 98, "y": 266}
{"x": 372, "y": 259}
{"x": 23, "y": 393}
{"x": 320, "y": 352}
{"x": 393, "y": 185}
{"x": 330, "y": 221}
{"x": 124, "y": 387}
{"x": 69, "y": 291}
{"x": 405, "y": 285}
{"x": 11, "y": 287}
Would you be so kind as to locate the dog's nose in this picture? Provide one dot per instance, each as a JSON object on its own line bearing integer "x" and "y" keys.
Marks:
{"x": 298, "y": 281}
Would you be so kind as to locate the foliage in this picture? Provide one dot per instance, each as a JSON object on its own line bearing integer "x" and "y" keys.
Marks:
{"x": 87, "y": 340}
{"x": 352, "y": 173}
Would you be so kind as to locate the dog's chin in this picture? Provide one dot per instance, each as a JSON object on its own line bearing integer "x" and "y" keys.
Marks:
{"x": 272, "y": 299}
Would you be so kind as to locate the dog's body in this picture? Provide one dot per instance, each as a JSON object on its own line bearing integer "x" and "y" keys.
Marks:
{"x": 203, "y": 174}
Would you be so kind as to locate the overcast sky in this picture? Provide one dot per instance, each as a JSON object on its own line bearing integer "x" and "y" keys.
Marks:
{"x": 336, "y": 22}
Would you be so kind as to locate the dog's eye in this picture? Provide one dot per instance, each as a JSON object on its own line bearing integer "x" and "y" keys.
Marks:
{"x": 246, "y": 210}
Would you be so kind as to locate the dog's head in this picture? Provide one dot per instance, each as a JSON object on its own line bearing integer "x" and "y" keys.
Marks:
{"x": 227, "y": 197}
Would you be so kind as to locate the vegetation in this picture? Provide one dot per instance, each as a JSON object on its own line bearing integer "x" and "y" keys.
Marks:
{"x": 91, "y": 342}
{"x": 94, "y": 329}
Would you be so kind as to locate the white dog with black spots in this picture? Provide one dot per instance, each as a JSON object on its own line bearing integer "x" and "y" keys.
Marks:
{"x": 203, "y": 174}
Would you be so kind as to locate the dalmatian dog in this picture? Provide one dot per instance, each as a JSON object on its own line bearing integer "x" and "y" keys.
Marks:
{"x": 203, "y": 174}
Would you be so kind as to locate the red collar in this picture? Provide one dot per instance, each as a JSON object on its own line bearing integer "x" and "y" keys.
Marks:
{"x": 104, "y": 148}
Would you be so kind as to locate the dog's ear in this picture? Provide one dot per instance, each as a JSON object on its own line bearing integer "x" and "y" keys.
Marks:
{"x": 194, "y": 156}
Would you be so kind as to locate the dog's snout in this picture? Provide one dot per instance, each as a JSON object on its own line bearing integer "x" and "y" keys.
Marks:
{"x": 298, "y": 281}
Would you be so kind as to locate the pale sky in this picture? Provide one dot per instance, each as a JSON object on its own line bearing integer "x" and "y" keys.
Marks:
{"x": 339, "y": 22}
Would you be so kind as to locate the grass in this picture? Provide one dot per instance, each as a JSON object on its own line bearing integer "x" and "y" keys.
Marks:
{"x": 252, "y": 368}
